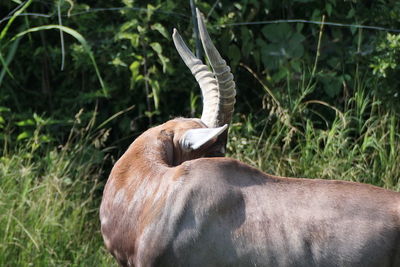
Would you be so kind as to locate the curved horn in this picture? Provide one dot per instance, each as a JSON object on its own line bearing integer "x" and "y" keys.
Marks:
{"x": 218, "y": 87}
{"x": 205, "y": 78}
{"x": 222, "y": 72}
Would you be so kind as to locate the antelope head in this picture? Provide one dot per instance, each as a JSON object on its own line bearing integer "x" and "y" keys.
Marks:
{"x": 218, "y": 91}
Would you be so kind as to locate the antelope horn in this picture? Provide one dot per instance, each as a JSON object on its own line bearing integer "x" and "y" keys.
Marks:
{"x": 217, "y": 87}
{"x": 222, "y": 72}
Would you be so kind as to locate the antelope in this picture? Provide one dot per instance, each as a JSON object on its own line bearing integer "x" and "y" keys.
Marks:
{"x": 172, "y": 199}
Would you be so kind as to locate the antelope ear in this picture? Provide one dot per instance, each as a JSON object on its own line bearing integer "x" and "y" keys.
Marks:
{"x": 195, "y": 138}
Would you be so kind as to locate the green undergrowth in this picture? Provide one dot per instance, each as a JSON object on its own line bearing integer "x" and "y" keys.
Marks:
{"x": 360, "y": 144}
{"x": 49, "y": 199}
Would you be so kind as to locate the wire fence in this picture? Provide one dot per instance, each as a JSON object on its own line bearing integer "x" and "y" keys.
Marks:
{"x": 188, "y": 18}
{"x": 358, "y": 26}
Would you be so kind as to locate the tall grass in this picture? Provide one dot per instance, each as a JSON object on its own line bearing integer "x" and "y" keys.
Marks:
{"x": 49, "y": 202}
{"x": 49, "y": 195}
{"x": 361, "y": 144}
{"x": 49, "y": 198}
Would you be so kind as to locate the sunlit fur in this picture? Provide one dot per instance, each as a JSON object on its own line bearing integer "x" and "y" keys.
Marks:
{"x": 166, "y": 207}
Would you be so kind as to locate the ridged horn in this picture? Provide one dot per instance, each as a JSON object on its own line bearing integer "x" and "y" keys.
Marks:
{"x": 222, "y": 72}
{"x": 218, "y": 87}
{"x": 207, "y": 82}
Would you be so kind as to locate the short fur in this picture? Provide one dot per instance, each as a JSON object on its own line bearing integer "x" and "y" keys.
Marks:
{"x": 166, "y": 207}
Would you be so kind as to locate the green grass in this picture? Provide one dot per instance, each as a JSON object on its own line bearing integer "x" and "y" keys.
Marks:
{"x": 49, "y": 206}
{"x": 49, "y": 197}
{"x": 360, "y": 144}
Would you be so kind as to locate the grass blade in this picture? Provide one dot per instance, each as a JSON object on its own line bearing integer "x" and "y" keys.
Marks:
{"x": 14, "y": 16}
{"x": 78, "y": 37}
{"x": 6, "y": 62}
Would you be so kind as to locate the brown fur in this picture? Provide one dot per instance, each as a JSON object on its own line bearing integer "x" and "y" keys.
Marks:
{"x": 167, "y": 207}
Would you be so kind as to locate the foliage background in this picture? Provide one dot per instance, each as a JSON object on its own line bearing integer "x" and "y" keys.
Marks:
{"x": 314, "y": 100}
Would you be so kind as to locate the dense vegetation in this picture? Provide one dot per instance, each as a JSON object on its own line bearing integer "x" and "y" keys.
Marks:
{"x": 80, "y": 80}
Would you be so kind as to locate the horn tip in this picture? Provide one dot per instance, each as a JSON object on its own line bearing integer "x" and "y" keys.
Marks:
{"x": 199, "y": 14}
{"x": 175, "y": 35}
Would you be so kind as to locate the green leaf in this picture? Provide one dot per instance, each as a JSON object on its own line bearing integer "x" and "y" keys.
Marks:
{"x": 133, "y": 37}
{"x": 45, "y": 138}
{"x": 351, "y": 13}
{"x": 156, "y": 47}
{"x": 117, "y": 62}
{"x": 155, "y": 86}
{"x": 271, "y": 56}
{"x": 24, "y": 135}
{"x": 39, "y": 120}
{"x": 238, "y": 6}
{"x": 28, "y": 122}
{"x": 299, "y": 27}
{"x": 294, "y": 49}
{"x": 296, "y": 38}
{"x": 328, "y": 8}
{"x": 247, "y": 41}
{"x": 134, "y": 68}
{"x": 277, "y": 32}
{"x": 4, "y": 109}
{"x": 164, "y": 60}
{"x": 332, "y": 84}
{"x": 234, "y": 54}
{"x": 128, "y": 25}
{"x": 316, "y": 15}
{"x": 135, "y": 72}
{"x": 161, "y": 29}
{"x": 150, "y": 10}
{"x": 296, "y": 65}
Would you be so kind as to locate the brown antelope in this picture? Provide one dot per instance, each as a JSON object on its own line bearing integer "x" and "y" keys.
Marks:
{"x": 166, "y": 203}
